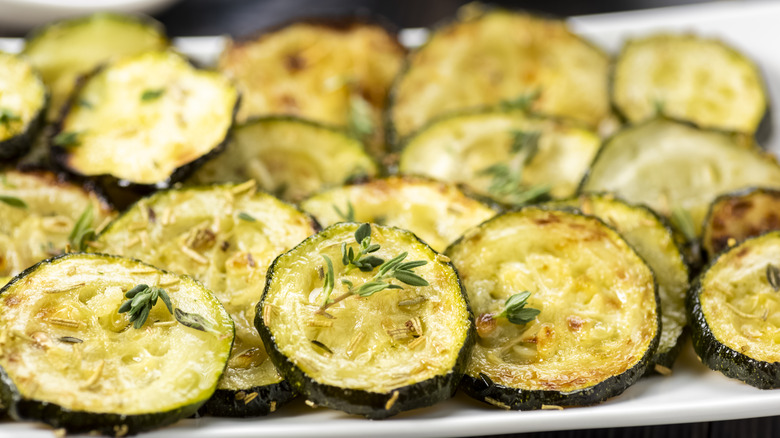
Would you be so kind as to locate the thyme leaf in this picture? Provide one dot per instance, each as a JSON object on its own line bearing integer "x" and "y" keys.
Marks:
{"x": 152, "y": 94}
{"x": 13, "y": 201}
{"x": 66, "y": 139}
{"x": 82, "y": 232}
{"x": 773, "y": 276}
{"x": 244, "y": 216}
{"x": 327, "y": 285}
{"x": 140, "y": 301}
{"x": 521, "y": 102}
{"x": 362, "y": 260}
{"x": 507, "y": 179}
{"x": 348, "y": 215}
{"x": 515, "y": 310}
{"x": 194, "y": 321}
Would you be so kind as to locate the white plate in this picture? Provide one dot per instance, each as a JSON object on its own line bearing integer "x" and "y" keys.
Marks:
{"x": 692, "y": 394}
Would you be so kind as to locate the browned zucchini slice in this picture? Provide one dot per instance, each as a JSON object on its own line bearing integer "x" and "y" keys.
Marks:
{"x": 290, "y": 157}
{"x": 22, "y": 105}
{"x": 507, "y": 156}
{"x": 437, "y": 212}
{"x": 691, "y": 78}
{"x": 226, "y": 237}
{"x": 501, "y": 56}
{"x": 599, "y": 323}
{"x": 335, "y": 72}
{"x": 71, "y": 360}
{"x": 39, "y": 213}
{"x": 152, "y": 119}
{"x": 734, "y": 217}
{"x": 67, "y": 49}
{"x": 371, "y": 350}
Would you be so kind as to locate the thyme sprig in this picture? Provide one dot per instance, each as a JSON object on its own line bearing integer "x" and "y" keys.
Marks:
{"x": 152, "y": 94}
{"x": 13, "y": 201}
{"x": 515, "y": 310}
{"x": 82, "y": 232}
{"x": 362, "y": 260}
{"x": 521, "y": 102}
{"x": 347, "y": 215}
{"x": 507, "y": 179}
{"x": 141, "y": 299}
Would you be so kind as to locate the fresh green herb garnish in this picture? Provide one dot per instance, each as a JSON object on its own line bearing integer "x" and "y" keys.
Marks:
{"x": 85, "y": 104}
{"x": 682, "y": 220}
{"x": 82, "y": 232}
{"x": 150, "y": 95}
{"x": 515, "y": 310}
{"x": 507, "y": 179}
{"x": 244, "y": 216}
{"x": 361, "y": 122}
{"x": 522, "y": 102}
{"x": 773, "y": 276}
{"x": 323, "y": 346}
{"x": 194, "y": 321}
{"x": 141, "y": 300}
{"x": 527, "y": 142}
{"x": 13, "y": 201}
{"x": 658, "y": 107}
{"x": 66, "y": 139}
{"x": 393, "y": 268}
{"x": 362, "y": 260}
{"x": 327, "y": 286}
{"x": 7, "y": 116}
{"x": 349, "y": 215}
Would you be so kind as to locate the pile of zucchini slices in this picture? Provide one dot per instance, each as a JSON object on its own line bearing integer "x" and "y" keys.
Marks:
{"x": 505, "y": 210}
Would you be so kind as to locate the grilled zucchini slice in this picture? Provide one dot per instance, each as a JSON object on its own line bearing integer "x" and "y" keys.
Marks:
{"x": 67, "y": 49}
{"x": 226, "y": 237}
{"x": 375, "y": 356}
{"x": 22, "y": 104}
{"x": 507, "y": 156}
{"x": 335, "y": 72}
{"x": 289, "y": 157}
{"x": 502, "y": 57}
{"x": 599, "y": 323}
{"x": 672, "y": 166}
{"x": 654, "y": 240}
{"x": 437, "y": 212}
{"x": 72, "y": 361}
{"x": 734, "y": 217}
{"x": 733, "y": 308}
{"x": 690, "y": 78}
{"x": 39, "y": 212}
{"x": 151, "y": 120}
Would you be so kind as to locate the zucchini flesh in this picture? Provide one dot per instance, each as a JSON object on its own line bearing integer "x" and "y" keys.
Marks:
{"x": 67, "y": 49}
{"x": 22, "y": 102}
{"x": 669, "y": 165}
{"x": 599, "y": 321}
{"x": 700, "y": 80}
{"x": 371, "y": 358}
{"x": 655, "y": 242}
{"x": 734, "y": 318}
{"x": 437, "y": 212}
{"x": 149, "y": 120}
{"x": 225, "y": 237}
{"x": 289, "y": 157}
{"x": 335, "y": 73}
{"x": 502, "y": 56}
{"x": 71, "y": 360}
{"x": 41, "y": 227}
{"x": 735, "y": 217}
{"x": 463, "y": 149}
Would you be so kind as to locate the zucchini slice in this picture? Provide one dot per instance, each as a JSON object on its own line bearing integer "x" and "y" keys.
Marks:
{"x": 67, "y": 49}
{"x": 599, "y": 323}
{"x": 289, "y": 157}
{"x": 507, "y": 156}
{"x": 375, "y": 356}
{"x": 151, "y": 120}
{"x": 733, "y": 309}
{"x": 336, "y": 72}
{"x": 72, "y": 361}
{"x": 225, "y": 237}
{"x": 502, "y": 57}
{"x": 654, "y": 240}
{"x": 39, "y": 213}
{"x": 690, "y": 78}
{"x": 22, "y": 104}
{"x": 674, "y": 167}
{"x": 734, "y": 217}
{"x": 437, "y": 212}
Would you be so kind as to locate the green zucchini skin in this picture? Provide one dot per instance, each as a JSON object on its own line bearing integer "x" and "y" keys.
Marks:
{"x": 372, "y": 405}
{"x": 19, "y": 145}
{"x": 224, "y": 402}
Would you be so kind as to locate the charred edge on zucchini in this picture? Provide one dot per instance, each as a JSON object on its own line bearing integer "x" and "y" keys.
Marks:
{"x": 78, "y": 144}
{"x": 92, "y": 404}
{"x": 570, "y": 390}
{"x": 397, "y": 394}
{"x": 741, "y": 358}
{"x": 22, "y": 106}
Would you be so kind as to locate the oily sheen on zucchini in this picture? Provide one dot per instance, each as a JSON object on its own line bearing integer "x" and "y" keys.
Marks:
{"x": 147, "y": 121}
{"x": 289, "y": 157}
{"x": 226, "y": 237}
{"x": 655, "y": 242}
{"x": 375, "y": 356}
{"x": 691, "y": 78}
{"x": 497, "y": 56}
{"x": 673, "y": 166}
{"x": 70, "y": 360}
{"x": 507, "y": 156}
{"x": 436, "y": 212}
{"x": 598, "y": 326}
{"x": 65, "y": 50}
{"x": 733, "y": 308}
{"x": 22, "y": 103}
{"x": 734, "y": 217}
{"x": 38, "y": 214}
